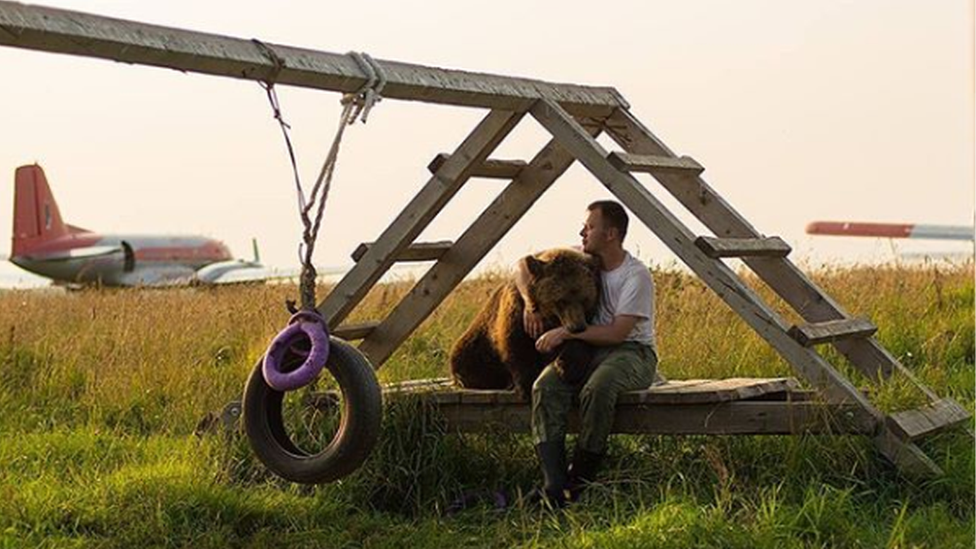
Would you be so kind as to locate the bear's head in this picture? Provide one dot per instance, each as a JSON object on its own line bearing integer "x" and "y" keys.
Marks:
{"x": 564, "y": 287}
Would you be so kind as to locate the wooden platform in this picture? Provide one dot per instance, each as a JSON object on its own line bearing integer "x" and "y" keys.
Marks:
{"x": 681, "y": 407}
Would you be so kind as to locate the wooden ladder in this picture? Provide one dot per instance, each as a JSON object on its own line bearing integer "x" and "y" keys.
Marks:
{"x": 824, "y": 320}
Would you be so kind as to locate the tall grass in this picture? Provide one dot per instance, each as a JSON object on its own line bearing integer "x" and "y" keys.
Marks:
{"x": 101, "y": 391}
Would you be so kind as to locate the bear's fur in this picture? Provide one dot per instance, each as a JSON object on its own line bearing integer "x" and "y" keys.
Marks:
{"x": 497, "y": 353}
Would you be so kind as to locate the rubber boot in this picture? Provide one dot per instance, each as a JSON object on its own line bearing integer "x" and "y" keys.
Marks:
{"x": 552, "y": 457}
{"x": 582, "y": 471}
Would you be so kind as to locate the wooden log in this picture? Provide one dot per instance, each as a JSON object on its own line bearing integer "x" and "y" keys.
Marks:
{"x": 416, "y": 216}
{"x": 652, "y": 164}
{"x": 937, "y": 416}
{"x": 490, "y": 169}
{"x": 76, "y": 33}
{"x": 832, "y": 330}
{"x": 743, "y": 247}
{"x": 418, "y": 251}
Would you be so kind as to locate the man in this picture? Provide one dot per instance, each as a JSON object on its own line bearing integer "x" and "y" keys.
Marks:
{"x": 626, "y": 358}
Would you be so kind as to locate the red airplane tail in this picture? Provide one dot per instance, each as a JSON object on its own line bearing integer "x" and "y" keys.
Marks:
{"x": 36, "y": 216}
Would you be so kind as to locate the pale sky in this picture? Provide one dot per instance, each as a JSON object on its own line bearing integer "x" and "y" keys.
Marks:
{"x": 799, "y": 111}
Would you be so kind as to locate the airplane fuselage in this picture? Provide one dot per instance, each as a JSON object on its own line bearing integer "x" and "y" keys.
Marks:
{"x": 122, "y": 260}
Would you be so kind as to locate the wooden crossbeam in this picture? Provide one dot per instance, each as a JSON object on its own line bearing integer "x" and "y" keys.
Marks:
{"x": 352, "y": 332}
{"x": 76, "y": 33}
{"x": 418, "y": 251}
{"x": 832, "y": 330}
{"x": 920, "y": 422}
{"x": 490, "y": 169}
{"x": 673, "y": 233}
{"x": 743, "y": 247}
{"x": 653, "y": 164}
{"x": 416, "y": 216}
{"x": 727, "y": 418}
{"x": 500, "y": 216}
{"x": 723, "y": 220}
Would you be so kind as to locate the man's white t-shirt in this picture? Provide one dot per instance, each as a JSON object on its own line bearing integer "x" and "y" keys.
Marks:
{"x": 628, "y": 290}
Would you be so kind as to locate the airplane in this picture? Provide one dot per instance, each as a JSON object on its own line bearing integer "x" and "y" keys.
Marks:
{"x": 69, "y": 255}
{"x": 891, "y": 230}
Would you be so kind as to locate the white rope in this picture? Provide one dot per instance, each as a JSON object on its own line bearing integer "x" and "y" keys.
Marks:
{"x": 354, "y": 105}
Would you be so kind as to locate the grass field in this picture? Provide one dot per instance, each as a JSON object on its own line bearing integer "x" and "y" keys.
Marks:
{"x": 100, "y": 393}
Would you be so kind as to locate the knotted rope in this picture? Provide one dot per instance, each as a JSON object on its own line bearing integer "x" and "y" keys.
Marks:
{"x": 354, "y": 105}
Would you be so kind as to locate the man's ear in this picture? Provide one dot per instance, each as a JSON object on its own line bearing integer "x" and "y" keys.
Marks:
{"x": 534, "y": 265}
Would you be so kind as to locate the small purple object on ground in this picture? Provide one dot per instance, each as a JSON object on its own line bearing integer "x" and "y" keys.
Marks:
{"x": 305, "y": 337}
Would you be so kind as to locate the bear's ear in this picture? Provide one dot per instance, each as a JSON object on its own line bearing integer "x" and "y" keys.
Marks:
{"x": 535, "y": 266}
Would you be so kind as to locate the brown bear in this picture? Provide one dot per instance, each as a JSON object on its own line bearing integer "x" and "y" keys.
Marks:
{"x": 497, "y": 353}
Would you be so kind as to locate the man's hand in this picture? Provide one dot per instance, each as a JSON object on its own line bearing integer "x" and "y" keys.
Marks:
{"x": 549, "y": 341}
{"x": 532, "y": 322}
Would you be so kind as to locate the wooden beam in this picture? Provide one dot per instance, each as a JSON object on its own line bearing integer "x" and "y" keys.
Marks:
{"x": 652, "y": 164}
{"x": 418, "y": 251}
{"x": 723, "y": 220}
{"x": 489, "y": 169}
{"x": 416, "y": 216}
{"x": 76, "y": 33}
{"x": 773, "y": 246}
{"x": 832, "y": 330}
{"x": 920, "y": 422}
{"x": 726, "y": 418}
{"x": 351, "y": 332}
{"x": 500, "y": 216}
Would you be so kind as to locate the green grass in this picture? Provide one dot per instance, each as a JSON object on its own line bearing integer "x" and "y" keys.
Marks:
{"x": 100, "y": 393}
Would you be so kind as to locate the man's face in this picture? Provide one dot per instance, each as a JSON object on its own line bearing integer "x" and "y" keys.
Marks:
{"x": 595, "y": 234}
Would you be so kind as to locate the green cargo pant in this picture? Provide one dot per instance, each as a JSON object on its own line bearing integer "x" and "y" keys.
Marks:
{"x": 626, "y": 367}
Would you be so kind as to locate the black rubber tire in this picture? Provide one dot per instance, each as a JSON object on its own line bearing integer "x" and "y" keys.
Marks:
{"x": 358, "y": 431}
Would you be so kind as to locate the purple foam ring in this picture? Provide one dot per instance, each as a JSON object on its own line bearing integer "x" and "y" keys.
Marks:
{"x": 304, "y": 328}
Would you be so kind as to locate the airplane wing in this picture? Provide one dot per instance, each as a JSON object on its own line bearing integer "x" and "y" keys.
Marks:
{"x": 890, "y": 230}
{"x": 249, "y": 272}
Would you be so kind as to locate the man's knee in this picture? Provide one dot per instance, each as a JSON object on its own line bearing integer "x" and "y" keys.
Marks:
{"x": 547, "y": 382}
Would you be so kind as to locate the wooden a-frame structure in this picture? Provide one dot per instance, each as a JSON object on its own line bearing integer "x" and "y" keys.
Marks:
{"x": 574, "y": 116}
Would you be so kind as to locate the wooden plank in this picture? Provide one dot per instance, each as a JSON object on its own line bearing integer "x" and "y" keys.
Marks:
{"x": 416, "y": 216}
{"x": 773, "y": 246}
{"x": 489, "y": 169}
{"x": 352, "y": 332}
{"x": 723, "y": 220}
{"x": 725, "y": 418}
{"x": 673, "y": 233}
{"x": 824, "y": 332}
{"x": 76, "y": 33}
{"x": 418, "y": 251}
{"x": 690, "y": 391}
{"x": 653, "y": 164}
{"x": 500, "y": 216}
{"x": 928, "y": 420}
{"x": 906, "y": 456}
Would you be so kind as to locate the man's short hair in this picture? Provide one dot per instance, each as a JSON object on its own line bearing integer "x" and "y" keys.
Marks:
{"x": 613, "y": 215}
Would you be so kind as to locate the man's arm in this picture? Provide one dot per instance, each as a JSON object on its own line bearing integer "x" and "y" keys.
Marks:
{"x": 610, "y": 334}
{"x": 531, "y": 320}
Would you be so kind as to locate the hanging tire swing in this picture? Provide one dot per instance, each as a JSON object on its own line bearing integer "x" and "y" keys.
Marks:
{"x": 300, "y": 352}
{"x": 358, "y": 431}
